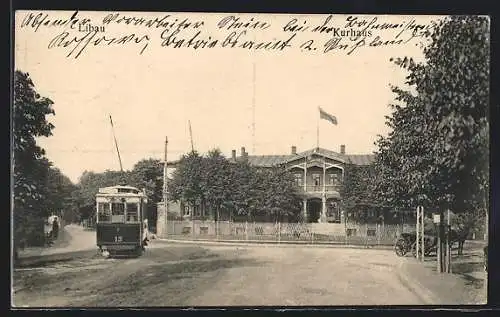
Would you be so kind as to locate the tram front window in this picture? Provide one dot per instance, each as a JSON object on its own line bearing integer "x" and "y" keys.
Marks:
{"x": 118, "y": 212}
{"x": 104, "y": 213}
{"x": 132, "y": 212}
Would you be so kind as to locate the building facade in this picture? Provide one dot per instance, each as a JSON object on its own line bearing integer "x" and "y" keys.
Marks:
{"x": 318, "y": 174}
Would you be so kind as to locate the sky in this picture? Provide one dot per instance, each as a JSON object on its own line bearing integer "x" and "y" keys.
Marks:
{"x": 224, "y": 93}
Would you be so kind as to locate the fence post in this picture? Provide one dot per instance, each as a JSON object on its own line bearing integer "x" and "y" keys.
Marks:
{"x": 279, "y": 232}
{"x": 366, "y": 235}
{"x": 246, "y": 230}
{"x": 378, "y": 232}
{"x": 194, "y": 229}
{"x": 312, "y": 233}
{"x": 345, "y": 230}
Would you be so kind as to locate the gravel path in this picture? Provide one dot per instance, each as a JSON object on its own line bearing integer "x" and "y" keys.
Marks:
{"x": 181, "y": 275}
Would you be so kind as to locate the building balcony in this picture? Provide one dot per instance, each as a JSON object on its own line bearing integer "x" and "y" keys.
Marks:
{"x": 331, "y": 191}
{"x": 320, "y": 188}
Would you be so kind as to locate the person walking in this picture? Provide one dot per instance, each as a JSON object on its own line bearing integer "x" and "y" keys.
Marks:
{"x": 55, "y": 228}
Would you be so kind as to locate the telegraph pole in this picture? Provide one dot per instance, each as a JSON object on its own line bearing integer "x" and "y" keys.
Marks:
{"x": 165, "y": 201}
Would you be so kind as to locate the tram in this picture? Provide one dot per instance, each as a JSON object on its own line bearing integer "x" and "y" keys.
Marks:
{"x": 121, "y": 222}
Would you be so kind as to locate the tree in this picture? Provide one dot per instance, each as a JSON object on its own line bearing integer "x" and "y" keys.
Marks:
{"x": 148, "y": 174}
{"x": 437, "y": 152}
{"x": 237, "y": 187}
{"x": 186, "y": 183}
{"x": 217, "y": 182}
{"x": 30, "y": 167}
{"x": 357, "y": 190}
{"x": 242, "y": 193}
{"x": 88, "y": 186}
{"x": 59, "y": 191}
{"x": 280, "y": 197}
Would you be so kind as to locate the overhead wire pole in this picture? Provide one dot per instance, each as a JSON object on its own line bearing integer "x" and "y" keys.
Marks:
{"x": 165, "y": 188}
{"x": 253, "y": 108}
{"x": 191, "y": 136}
{"x": 192, "y": 151}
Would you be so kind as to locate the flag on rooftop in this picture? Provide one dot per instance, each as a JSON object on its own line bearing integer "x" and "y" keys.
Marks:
{"x": 325, "y": 115}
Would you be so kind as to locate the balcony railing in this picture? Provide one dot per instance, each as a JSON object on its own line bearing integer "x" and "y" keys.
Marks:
{"x": 319, "y": 188}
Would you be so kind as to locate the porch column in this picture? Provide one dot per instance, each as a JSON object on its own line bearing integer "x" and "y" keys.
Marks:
{"x": 323, "y": 209}
{"x": 304, "y": 201}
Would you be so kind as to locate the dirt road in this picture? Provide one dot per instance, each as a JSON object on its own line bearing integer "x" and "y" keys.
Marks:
{"x": 182, "y": 275}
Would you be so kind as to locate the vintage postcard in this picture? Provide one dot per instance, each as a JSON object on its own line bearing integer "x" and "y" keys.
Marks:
{"x": 224, "y": 159}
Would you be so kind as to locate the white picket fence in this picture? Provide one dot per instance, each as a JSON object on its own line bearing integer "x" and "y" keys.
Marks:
{"x": 307, "y": 232}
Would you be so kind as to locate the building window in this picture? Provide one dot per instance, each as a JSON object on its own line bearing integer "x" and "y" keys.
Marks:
{"x": 117, "y": 212}
{"x": 187, "y": 210}
{"x": 197, "y": 210}
{"x": 298, "y": 179}
{"x": 104, "y": 214}
{"x": 316, "y": 179}
{"x": 333, "y": 212}
{"x": 132, "y": 212}
{"x": 334, "y": 179}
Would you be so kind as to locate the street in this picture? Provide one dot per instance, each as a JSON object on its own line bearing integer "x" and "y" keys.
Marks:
{"x": 190, "y": 275}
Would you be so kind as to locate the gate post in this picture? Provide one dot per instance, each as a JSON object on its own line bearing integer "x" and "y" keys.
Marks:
{"x": 422, "y": 233}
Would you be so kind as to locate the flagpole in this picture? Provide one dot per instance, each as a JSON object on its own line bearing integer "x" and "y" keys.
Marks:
{"x": 317, "y": 133}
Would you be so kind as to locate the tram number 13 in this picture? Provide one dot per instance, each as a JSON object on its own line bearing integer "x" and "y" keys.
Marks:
{"x": 118, "y": 238}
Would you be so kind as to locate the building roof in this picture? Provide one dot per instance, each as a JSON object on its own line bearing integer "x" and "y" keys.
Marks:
{"x": 273, "y": 160}
{"x": 268, "y": 160}
{"x": 361, "y": 159}
{"x": 120, "y": 189}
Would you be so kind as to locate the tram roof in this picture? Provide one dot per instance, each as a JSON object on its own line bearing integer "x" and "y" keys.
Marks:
{"x": 120, "y": 189}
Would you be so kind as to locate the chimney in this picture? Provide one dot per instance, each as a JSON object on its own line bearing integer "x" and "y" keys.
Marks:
{"x": 242, "y": 151}
{"x": 294, "y": 149}
{"x": 233, "y": 154}
{"x": 342, "y": 149}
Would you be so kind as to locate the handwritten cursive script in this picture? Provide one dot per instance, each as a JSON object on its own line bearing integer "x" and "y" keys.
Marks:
{"x": 78, "y": 44}
{"x": 308, "y": 34}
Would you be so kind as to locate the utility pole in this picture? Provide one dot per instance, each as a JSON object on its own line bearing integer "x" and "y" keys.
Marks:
{"x": 191, "y": 136}
{"x": 441, "y": 243}
{"x": 165, "y": 198}
{"x": 417, "y": 229}
{"x": 448, "y": 244}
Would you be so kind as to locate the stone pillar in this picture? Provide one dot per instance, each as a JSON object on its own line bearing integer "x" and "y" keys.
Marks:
{"x": 323, "y": 209}
{"x": 160, "y": 221}
{"x": 304, "y": 201}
